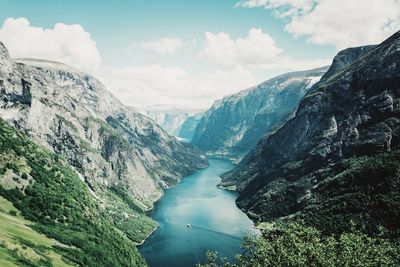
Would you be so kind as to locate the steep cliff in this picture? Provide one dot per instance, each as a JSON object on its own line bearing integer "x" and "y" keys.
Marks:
{"x": 45, "y": 190}
{"x": 124, "y": 158}
{"x": 234, "y": 125}
{"x": 338, "y": 157}
{"x": 188, "y": 127}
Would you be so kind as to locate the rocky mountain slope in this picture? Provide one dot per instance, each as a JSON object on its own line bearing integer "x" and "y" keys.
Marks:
{"x": 337, "y": 161}
{"x": 169, "y": 117}
{"x": 188, "y": 127}
{"x": 124, "y": 158}
{"x": 234, "y": 125}
{"x": 49, "y": 198}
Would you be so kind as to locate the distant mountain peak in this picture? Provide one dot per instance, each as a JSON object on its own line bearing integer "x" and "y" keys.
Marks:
{"x": 234, "y": 124}
{"x": 170, "y": 116}
{"x": 171, "y": 107}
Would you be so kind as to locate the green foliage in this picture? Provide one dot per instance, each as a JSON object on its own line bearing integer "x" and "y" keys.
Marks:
{"x": 350, "y": 218}
{"x": 297, "y": 245}
{"x": 63, "y": 209}
{"x": 39, "y": 249}
{"x": 12, "y": 166}
{"x": 130, "y": 201}
{"x": 136, "y": 229}
{"x": 12, "y": 213}
{"x": 23, "y": 261}
{"x": 364, "y": 191}
{"x": 137, "y": 226}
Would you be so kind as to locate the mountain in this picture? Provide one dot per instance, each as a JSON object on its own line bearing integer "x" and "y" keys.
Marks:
{"x": 188, "y": 127}
{"x": 234, "y": 125}
{"x": 336, "y": 162}
{"x": 170, "y": 117}
{"x": 107, "y": 142}
{"x": 123, "y": 158}
{"x": 46, "y": 196}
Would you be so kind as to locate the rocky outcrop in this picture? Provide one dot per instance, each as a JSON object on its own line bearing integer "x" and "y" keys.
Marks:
{"x": 188, "y": 127}
{"x": 353, "y": 111}
{"x": 234, "y": 125}
{"x": 110, "y": 145}
{"x": 169, "y": 117}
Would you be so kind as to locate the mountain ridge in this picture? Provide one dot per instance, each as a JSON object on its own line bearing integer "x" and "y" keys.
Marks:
{"x": 124, "y": 159}
{"x": 234, "y": 124}
{"x": 351, "y": 113}
{"x": 170, "y": 117}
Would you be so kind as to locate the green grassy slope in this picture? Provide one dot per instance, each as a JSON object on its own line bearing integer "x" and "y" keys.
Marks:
{"x": 44, "y": 188}
{"x": 21, "y": 245}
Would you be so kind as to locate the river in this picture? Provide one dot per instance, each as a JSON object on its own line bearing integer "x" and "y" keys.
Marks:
{"x": 217, "y": 224}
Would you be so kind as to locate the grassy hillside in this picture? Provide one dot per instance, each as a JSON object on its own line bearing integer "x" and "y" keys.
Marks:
{"x": 48, "y": 192}
{"x": 21, "y": 245}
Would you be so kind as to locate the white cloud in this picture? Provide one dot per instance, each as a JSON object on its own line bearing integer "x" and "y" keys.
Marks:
{"x": 163, "y": 46}
{"x": 69, "y": 44}
{"x": 255, "y": 49}
{"x": 287, "y": 63}
{"x": 282, "y": 8}
{"x": 342, "y": 23}
{"x": 147, "y": 85}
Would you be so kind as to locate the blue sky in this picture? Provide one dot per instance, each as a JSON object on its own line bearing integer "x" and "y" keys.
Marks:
{"x": 121, "y": 29}
{"x": 114, "y": 25}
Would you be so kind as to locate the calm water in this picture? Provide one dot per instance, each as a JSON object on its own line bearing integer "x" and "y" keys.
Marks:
{"x": 217, "y": 224}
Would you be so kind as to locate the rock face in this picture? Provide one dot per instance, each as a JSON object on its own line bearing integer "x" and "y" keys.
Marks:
{"x": 234, "y": 125}
{"x": 169, "y": 117}
{"x": 353, "y": 111}
{"x": 189, "y": 126}
{"x": 43, "y": 187}
{"x": 110, "y": 145}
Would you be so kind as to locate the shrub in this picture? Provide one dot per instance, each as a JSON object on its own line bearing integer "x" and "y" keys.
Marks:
{"x": 297, "y": 245}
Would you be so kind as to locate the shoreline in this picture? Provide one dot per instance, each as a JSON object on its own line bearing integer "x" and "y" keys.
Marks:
{"x": 166, "y": 212}
{"x": 148, "y": 236}
{"x": 158, "y": 199}
{"x": 219, "y": 186}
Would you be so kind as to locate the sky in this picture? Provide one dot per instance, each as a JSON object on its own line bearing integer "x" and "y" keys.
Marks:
{"x": 190, "y": 53}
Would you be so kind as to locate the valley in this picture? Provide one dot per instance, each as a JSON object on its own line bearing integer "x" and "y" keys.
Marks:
{"x": 263, "y": 153}
{"x": 215, "y": 223}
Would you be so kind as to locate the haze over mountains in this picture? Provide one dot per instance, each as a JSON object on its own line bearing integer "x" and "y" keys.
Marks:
{"x": 172, "y": 117}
